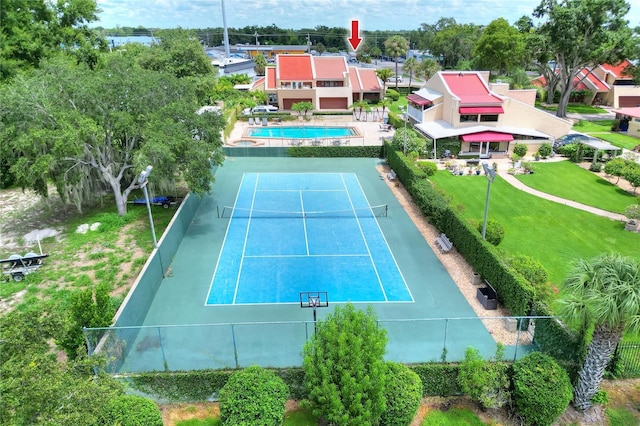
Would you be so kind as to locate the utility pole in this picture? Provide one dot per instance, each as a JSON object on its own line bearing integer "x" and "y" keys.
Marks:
{"x": 256, "y": 36}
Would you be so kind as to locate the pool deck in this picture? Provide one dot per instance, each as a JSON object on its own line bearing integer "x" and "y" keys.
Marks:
{"x": 371, "y": 133}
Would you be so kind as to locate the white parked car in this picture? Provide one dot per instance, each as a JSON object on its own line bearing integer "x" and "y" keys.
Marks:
{"x": 260, "y": 109}
{"x": 395, "y": 78}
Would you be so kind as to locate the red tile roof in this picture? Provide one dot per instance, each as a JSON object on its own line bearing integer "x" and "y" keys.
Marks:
{"x": 270, "y": 76}
{"x": 330, "y": 67}
{"x": 369, "y": 80}
{"x": 294, "y": 67}
{"x": 592, "y": 78}
{"x": 617, "y": 70}
{"x": 470, "y": 88}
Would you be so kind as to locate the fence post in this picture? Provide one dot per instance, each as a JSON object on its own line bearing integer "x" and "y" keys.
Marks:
{"x": 235, "y": 348}
{"x": 444, "y": 349}
{"x": 164, "y": 358}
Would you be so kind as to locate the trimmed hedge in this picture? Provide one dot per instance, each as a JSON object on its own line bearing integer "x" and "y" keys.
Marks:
{"x": 205, "y": 385}
{"x": 336, "y": 151}
{"x": 514, "y": 292}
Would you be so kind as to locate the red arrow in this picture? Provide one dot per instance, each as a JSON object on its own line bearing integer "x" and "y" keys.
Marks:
{"x": 355, "y": 38}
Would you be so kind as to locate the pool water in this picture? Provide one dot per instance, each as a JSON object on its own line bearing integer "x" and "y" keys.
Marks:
{"x": 301, "y": 132}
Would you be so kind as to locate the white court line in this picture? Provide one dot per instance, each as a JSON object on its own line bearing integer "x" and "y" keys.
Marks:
{"x": 364, "y": 238}
{"x": 390, "y": 251}
{"x": 246, "y": 237}
{"x": 224, "y": 242}
{"x": 278, "y": 256}
{"x": 304, "y": 224}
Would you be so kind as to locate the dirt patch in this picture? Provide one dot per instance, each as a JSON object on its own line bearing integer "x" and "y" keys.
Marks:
{"x": 174, "y": 413}
{"x": 23, "y": 212}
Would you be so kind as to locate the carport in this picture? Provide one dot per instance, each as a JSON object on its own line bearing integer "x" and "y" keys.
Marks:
{"x": 600, "y": 146}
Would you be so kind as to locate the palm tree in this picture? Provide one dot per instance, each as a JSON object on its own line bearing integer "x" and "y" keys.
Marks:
{"x": 410, "y": 66}
{"x": 396, "y": 46}
{"x": 384, "y": 103}
{"x": 383, "y": 74}
{"x": 359, "y": 107}
{"x": 427, "y": 68}
{"x": 604, "y": 292}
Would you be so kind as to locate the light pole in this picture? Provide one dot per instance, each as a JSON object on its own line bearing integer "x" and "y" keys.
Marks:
{"x": 404, "y": 118}
{"x": 143, "y": 179}
{"x": 490, "y": 173}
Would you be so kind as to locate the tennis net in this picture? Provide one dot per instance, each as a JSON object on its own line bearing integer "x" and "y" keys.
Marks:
{"x": 238, "y": 212}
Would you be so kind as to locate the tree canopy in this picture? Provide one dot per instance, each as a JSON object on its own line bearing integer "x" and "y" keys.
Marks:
{"x": 583, "y": 33}
{"x": 93, "y": 130}
{"x": 500, "y": 47}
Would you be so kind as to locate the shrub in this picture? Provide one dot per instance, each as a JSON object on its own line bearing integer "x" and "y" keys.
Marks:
{"x": 533, "y": 272}
{"x": 131, "y": 410}
{"x": 485, "y": 381}
{"x": 520, "y": 149}
{"x": 494, "y": 232}
{"x": 403, "y": 392}
{"x": 545, "y": 150}
{"x": 253, "y": 396}
{"x": 541, "y": 389}
{"x": 632, "y": 211}
{"x": 595, "y": 167}
{"x": 345, "y": 369}
{"x": 428, "y": 167}
{"x": 393, "y": 95}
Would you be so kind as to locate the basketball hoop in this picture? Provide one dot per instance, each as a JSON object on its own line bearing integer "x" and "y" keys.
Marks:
{"x": 314, "y": 300}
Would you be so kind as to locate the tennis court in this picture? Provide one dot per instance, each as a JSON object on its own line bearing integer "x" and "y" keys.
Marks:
{"x": 273, "y": 228}
{"x": 290, "y": 233}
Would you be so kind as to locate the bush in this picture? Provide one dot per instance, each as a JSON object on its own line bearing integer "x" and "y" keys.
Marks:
{"x": 253, "y": 396}
{"x": 520, "y": 149}
{"x": 428, "y": 167}
{"x": 393, "y": 95}
{"x": 131, "y": 410}
{"x": 545, "y": 150}
{"x": 541, "y": 389}
{"x": 344, "y": 367}
{"x": 534, "y": 273}
{"x": 494, "y": 232}
{"x": 403, "y": 392}
{"x": 595, "y": 167}
{"x": 485, "y": 381}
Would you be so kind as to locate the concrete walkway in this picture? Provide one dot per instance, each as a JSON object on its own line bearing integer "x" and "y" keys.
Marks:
{"x": 516, "y": 183}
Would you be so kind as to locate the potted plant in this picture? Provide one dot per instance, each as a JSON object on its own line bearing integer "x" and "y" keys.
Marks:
{"x": 632, "y": 213}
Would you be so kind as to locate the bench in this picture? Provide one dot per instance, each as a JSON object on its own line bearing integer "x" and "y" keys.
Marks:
{"x": 393, "y": 178}
{"x": 392, "y": 175}
{"x": 443, "y": 242}
{"x": 487, "y": 296}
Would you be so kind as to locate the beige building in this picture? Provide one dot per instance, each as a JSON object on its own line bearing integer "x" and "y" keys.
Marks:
{"x": 488, "y": 118}
{"x": 328, "y": 82}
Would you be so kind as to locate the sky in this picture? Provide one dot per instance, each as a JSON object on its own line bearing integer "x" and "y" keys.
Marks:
{"x": 297, "y": 14}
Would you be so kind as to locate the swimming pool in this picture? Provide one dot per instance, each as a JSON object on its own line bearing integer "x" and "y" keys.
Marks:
{"x": 302, "y": 132}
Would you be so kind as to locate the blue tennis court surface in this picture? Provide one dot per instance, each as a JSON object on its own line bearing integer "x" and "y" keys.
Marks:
{"x": 297, "y": 232}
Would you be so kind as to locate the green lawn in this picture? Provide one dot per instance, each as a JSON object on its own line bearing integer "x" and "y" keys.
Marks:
{"x": 584, "y": 126}
{"x": 568, "y": 180}
{"x": 602, "y": 129}
{"x": 552, "y": 233}
{"x": 574, "y": 108}
{"x": 453, "y": 417}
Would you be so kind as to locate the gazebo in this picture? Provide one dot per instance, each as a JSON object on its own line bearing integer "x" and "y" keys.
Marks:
{"x": 600, "y": 145}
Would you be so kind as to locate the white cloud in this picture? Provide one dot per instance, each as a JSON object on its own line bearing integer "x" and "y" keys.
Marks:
{"x": 297, "y": 14}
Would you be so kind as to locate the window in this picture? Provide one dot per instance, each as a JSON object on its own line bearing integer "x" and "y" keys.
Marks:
{"x": 468, "y": 118}
{"x": 488, "y": 118}
{"x": 330, "y": 84}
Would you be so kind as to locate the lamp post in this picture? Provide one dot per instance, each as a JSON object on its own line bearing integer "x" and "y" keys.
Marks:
{"x": 490, "y": 173}
{"x": 404, "y": 118}
{"x": 143, "y": 179}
